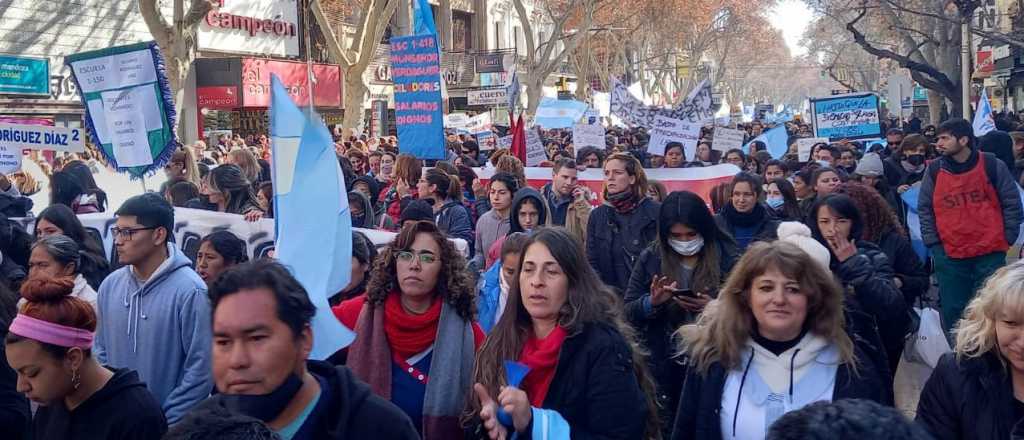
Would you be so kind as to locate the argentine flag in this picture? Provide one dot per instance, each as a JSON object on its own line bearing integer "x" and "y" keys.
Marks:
{"x": 776, "y": 139}
{"x": 313, "y": 227}
{"x": 983, "y": 120}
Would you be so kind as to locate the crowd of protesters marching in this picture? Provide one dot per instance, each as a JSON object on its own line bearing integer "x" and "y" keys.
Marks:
{"x": 778, "y": 306}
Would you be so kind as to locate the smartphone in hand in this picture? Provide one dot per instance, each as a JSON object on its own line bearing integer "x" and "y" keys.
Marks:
{"x": 689, "y": 293}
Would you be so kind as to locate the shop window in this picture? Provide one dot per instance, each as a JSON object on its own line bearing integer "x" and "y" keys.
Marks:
{"x": 462, "y": 31}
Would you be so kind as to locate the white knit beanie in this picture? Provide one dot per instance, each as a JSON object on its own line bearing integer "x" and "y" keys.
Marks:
{"x": 800, "y": 235}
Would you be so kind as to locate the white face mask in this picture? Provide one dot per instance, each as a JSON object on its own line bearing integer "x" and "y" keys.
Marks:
{"x": 687, "y": 248}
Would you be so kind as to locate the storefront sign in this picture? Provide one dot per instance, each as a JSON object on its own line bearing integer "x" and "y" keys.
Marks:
{"x": 24, "y": 76}
{"x": 225, "y": 97}
{"x": 415, "y": 65}
{"x": 263, "y": 27}
{"x": 487, "y": 97}
{"x": 490, "y": 63}
{"x": 256, "y": 82}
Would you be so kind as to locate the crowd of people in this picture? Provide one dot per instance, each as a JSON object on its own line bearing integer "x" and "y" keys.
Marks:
{"x": 777, "y": 306}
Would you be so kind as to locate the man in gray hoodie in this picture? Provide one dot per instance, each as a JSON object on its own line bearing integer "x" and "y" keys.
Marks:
{"x": 154, "y": 315}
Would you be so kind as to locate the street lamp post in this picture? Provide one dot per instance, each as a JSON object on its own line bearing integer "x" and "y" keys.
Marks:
{"x": 966, "y": 8}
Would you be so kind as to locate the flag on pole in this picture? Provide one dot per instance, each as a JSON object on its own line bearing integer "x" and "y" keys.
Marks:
{"x": 776, "y": 139}
{"x": 313, "y": 228}
{"x": 983, "y": 121}
{"x": 518, "y": 129}
{"x": 423, "y": 18}
{"x": 910, "y": 198}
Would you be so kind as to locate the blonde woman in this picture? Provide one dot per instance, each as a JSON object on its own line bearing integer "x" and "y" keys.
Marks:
{"x": 773, "y": 342}
{"x": 977, "y": 392}
{"x": 247, "y": 162}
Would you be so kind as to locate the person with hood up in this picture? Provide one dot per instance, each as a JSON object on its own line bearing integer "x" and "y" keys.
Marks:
{"x": 529, "y": 212}
{"x": 619, "y": 230}
{"x": 451, "y": 217}
{"x": 261, "y": 310}
{"x": 775, "y": 341}
{"x": 862, "y": 267}
{"x": 361, "y": 209}
{"x": 1000, "y": 145}
{"x": 744, "y": 217}
{"x": 672, "y": 281}
{"x": 363, "y": 255}
{"x": 49, "y": 346}
{"x": 154, "y": 316}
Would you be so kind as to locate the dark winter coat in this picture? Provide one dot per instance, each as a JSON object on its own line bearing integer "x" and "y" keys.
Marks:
{"x": 656, "y": 325}
{"x": 971, "y": 398}
{"x": 122, "y": 409}
{"x": 454, "y": 220}
{"x": 698, "y": 414}
{"x": 614, "y": 241}
{"x": 352, "y": 411}
{"x": 14, "y": 410}
{"x": 906, "y": 264}
{"x": 594, "y": 388}
{"x": 764, "y": 225}
{"x": 870, "y": 275}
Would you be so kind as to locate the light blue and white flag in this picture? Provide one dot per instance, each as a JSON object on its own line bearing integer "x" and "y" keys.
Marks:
{"x": 557, "y": 113}
{"x": 423, "y": 18}
{"x": 313, "y": 227}
{"x": 983, "y": 121}
{"x": 776, "y": 139}
{"x": 910, "y": 197}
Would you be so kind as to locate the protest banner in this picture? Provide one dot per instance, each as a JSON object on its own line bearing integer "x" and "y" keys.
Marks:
{"x": 727, "y": 139}
{"x": 456, "y": 120}
{"x": 535, "y": 153}
{"x": 586, "y": 135}
{"x": 487, "y": 97}
{"x": 698, "y": 180}
{"x": 416, "y": 72}
{"x": 128, "y": 104}
{"x": 804, "y": 146}
{"x": 487, "y": 140}
{"x": 667, "y": 130}
{"x": 41, "y": 137}
{"x": 851, "y": 116}
{"x": 479, "y": 123}
{"x": 10, "y": 159}
{"x": 696, "y": 108}
{"x": 505, "y": 142}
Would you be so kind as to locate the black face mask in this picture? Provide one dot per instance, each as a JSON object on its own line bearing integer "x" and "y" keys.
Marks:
{"x": 264, "y": 406}
{"x": 915, "y": 159}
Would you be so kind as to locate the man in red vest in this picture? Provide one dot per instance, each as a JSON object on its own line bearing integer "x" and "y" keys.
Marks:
{"x": 970, "y": 212}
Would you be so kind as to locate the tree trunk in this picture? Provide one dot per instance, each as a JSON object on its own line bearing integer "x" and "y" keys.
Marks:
{"x": 355, "y": 94}
{"x": 534, "y": 93}
{"x": 178, "y": 62}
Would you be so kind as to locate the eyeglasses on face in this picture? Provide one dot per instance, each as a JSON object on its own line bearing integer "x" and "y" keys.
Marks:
{"x": 409, "y": 256}
{"x": 128, "y": 233}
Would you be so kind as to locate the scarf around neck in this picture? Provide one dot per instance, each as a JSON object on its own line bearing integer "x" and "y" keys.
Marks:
{"x": 385, "y": 328}
{"x": 744, "y": 219}
{"x": 541, "y": 355}
{"x": 623, "y": 202}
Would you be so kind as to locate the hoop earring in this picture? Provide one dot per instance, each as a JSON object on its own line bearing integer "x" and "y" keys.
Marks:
{"x": 76, "y": 379}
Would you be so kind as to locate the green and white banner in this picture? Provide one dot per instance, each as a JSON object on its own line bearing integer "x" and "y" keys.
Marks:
{"x": 129, "y": 106}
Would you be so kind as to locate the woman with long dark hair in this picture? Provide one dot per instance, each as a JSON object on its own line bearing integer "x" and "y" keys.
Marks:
{"x": 217, "y": 252}
{"x": 864, "y": 269}
{"x": 586, "y": 370}
{"x": 227, "y": 188}
{"x": 781, "y": 199}
{"x": 92, "y": 198}
{"x": 444, "y": 192}
{"x": 416, "y": 338}
{"x": 743, "y": 216}
{"x": 59, "y": 220}
{"x": 672, "y": 281}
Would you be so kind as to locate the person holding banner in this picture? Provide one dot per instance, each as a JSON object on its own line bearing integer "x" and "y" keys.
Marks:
{"x": 59, "y": 220}
{"x": 675, "y": 157}
{"x": 416, "y": 338}
{"x": 961, "y": 190}
{"x": 49, "y": 345}
{"x": 781, "y": 200}
{"x": 229, "y": 191}
{"x": 672, "y": 281}
{"x": 589, "y": 157}
{"x": 704, "y": 155}
{"x": 620, "y": 229}
{"x": 743, "y": 216}
{"x": 494, "y": 224}
{"x": 584, "y": 370}
{"x": 219, "y": 251}
{"x": 568, "y": 201}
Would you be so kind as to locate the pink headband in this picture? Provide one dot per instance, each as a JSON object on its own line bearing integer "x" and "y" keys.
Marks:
{"x": 50, "y": 333}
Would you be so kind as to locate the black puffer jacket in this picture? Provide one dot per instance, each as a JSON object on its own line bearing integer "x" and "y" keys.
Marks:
{"x": 969, "y": 399}
{"x": 698, "y": 415}
{"x": 614, "y": 241}
{"x": 906, "y": 264}
{"x": 656, "y": 325}
{"x": 869, "y": 274}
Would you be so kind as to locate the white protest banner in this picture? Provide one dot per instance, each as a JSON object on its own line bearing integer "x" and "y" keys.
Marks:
{"x": 505, "y": 142}
{"x": 584, "y": 135}
{"x": 487, "y": 97}
{"x": 667, "y": 130}
{"x": 696, "y": 108}
{"x": 479, "y": 123}
{"x": 486, "y": 140}
{"x": 535, "y": 153}
{"x": 456, "y": 120}
{"x": 804, "y": 146}
{"x": 42, "y": 137}
{"x": 853, "y": 116}
{"x": 10, "y": 159}
{"x": 727, "y": 139}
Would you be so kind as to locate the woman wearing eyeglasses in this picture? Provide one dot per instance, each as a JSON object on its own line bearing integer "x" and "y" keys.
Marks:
{"x": 416, "y": 336}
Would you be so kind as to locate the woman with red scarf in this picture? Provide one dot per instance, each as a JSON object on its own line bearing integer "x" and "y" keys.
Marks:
{"x": 416, "y": 336}
{"x": 584, "y": 370}
{"x": 627, "y": 222}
